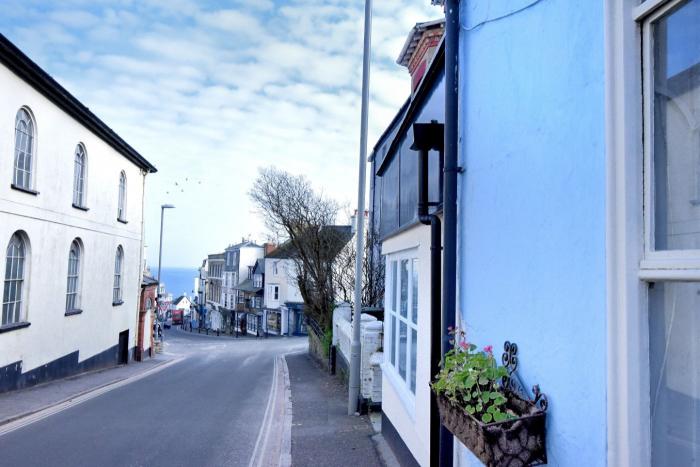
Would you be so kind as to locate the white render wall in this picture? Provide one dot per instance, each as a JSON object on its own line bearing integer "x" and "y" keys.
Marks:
{"x": 285, "y": 279}
{"x": 51, "y": 224}
{"x": 248, "y": 256}
{"x": 410, "y": 414}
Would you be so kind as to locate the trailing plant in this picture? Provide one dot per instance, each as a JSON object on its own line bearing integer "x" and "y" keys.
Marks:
{"x": 471, "y": 379}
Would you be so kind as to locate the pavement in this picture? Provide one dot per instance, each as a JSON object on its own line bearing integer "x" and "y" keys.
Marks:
{"x": 323, "y": 434}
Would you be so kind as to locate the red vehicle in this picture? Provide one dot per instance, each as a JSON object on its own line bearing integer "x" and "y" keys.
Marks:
{"x": 177, "y": 316}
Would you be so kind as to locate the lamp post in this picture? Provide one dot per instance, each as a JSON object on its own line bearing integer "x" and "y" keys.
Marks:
{"x": 163, "y": 207}
{"x": 354, "y": 383}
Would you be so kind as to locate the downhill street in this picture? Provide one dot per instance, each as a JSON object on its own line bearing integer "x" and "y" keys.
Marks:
{"x": 206, "y": 409}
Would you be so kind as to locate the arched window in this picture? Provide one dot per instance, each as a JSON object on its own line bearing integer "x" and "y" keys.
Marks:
{"x": 73, "y": 287}
{"x": 15, "y": 266}
{"x": 118, "y": 265}
{"x": 24, "y": 149}
{"x": 79, "y": 182}
{"x": 121, "y": 212}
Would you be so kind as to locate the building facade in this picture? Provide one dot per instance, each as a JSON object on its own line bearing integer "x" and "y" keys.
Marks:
{"x": 71, "y": 208}
{"x": 214, "y": 291}
{"x": 283, "y": 303}
{"x": 577, "y": 232}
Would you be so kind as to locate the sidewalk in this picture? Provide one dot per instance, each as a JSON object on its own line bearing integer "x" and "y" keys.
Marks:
{"x": 24, "y": 402}
{"x": 322, "y": 431}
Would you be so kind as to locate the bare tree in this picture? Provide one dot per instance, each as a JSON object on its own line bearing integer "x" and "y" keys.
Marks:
{"x": 293, "y": 211}
{"x": 372, "y": 273}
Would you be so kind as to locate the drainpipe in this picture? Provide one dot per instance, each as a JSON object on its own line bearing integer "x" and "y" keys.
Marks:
{"x": 427, "y": 136}
{"x": 449, "y": 269}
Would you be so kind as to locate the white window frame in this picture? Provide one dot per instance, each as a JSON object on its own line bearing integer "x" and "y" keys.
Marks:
{"x": 18, "y": 283}
{"x": 117, "y": 289}
{"x": 121, "y": 207}
{"x": 391, "y": 370}
{"x": 80, "y": 176}
{"x": 29, "y": 170}
{"x": 631, "y": 261}
{"x": 73, "y": 285}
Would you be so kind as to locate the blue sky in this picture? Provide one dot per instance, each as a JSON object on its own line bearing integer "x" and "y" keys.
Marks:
{"x": 211, "y": 91}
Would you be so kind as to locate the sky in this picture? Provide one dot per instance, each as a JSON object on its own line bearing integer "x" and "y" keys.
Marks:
{"x": 210, "y": 91}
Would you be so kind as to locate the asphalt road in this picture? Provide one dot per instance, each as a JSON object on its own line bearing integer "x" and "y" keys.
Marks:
{"x": 205, "y": 410}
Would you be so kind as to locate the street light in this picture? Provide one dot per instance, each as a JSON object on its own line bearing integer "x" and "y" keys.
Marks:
{"x": 163, "y": 207}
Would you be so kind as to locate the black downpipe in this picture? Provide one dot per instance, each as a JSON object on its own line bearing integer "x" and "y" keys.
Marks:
{"x": 449, "y": 268}
{"x": 426, "y": 137}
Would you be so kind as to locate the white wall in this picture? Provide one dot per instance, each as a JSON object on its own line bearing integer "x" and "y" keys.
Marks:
{"x": 285, "y": 279}
{"x": 408, "y": 413}
{"x": 51, "y": 224}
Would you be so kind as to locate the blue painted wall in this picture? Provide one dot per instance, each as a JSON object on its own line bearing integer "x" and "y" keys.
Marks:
{"x": 532, "y": 206}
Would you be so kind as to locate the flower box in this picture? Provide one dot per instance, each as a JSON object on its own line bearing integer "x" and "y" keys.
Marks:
{"x": 512, "y": 443}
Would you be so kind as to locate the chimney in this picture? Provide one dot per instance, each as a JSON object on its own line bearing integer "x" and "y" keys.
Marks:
{"x": 419, "y": 49}
{"x": 269, "y": 248}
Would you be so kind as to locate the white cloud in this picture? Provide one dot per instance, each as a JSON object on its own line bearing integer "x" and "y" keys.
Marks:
{"x": 209, "y": 95}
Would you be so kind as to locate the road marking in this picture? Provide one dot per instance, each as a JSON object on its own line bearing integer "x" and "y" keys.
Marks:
{"x": 91, "y": 394}
{"x": 263, "y": 434}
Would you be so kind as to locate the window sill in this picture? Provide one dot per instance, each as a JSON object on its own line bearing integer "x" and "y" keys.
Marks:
{"x": 123, "y": 221}
{"x": 119, "y": 303}
{"x": 73, "y": 312}
{"x": 14, "y": 326}
{"x": 82, "y": 208}
{"x": 24, "y": 190}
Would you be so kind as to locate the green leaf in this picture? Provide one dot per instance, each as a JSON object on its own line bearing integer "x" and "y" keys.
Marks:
{"x": 471, "y": 409}
{"x": 486, "y": 418}
{"x": 499, "y": 416}
{"x": 483, "y": 380}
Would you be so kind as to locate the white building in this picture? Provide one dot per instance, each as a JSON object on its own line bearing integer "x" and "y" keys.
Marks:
{"x": 282, "y": 302}
{"x": 71, "y": 230}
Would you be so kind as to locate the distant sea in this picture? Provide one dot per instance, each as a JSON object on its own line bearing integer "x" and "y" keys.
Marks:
{"x": 177, "y": 281}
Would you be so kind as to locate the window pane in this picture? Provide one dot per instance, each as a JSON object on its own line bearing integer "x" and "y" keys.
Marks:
{"x": 402, "y": 348}
{"x": 674, "y": 357}
{"x": 404, "y": 288}
{"x": 392, "y": 347}
{"x": 394, "y": 286}
{"x": 676, "y": 140}
{"x": 414, "y": 291}
{"x": 414, "y": 344}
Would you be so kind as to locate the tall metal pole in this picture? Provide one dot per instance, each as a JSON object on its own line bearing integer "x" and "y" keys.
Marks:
{"x": 354, "y": 384}
{"x": 160, "y": 246}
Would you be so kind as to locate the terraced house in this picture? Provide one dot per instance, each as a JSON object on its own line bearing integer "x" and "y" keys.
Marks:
{"x": 71, "y": 230}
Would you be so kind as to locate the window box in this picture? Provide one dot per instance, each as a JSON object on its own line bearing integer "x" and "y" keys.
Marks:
{"x": 82, "y": 208}
{"x": 519, "y": 441}
{"x": 73, "y": 312}
{"x": 123, "y": 221}
{"x": 117, "y": 303}
{"x": 493, "y": 415}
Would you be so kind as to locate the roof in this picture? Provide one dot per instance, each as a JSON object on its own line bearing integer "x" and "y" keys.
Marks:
{"x": 283, "y": 251}
{"x": 179, "y": 299}
{"x": 388, "y": 131}
{"x": 216, "y": 257}
{"x": 259, "y": 267}
{"x": 21, "y": 65}
{"x": 414, "y": 38}
{"x": 247, "y": 286}
{"x": 148, "y": 281}
{"x": 437, "y": 66}
{"x": 244, "y": 244}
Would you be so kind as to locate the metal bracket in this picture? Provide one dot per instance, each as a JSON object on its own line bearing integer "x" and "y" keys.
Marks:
{"x": 513, "y": 382}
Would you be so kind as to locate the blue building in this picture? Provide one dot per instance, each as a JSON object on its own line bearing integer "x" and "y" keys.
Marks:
{"x": 578, "y": 221}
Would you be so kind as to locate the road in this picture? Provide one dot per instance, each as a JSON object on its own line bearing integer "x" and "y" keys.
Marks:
{"x": 205, "y": 410}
